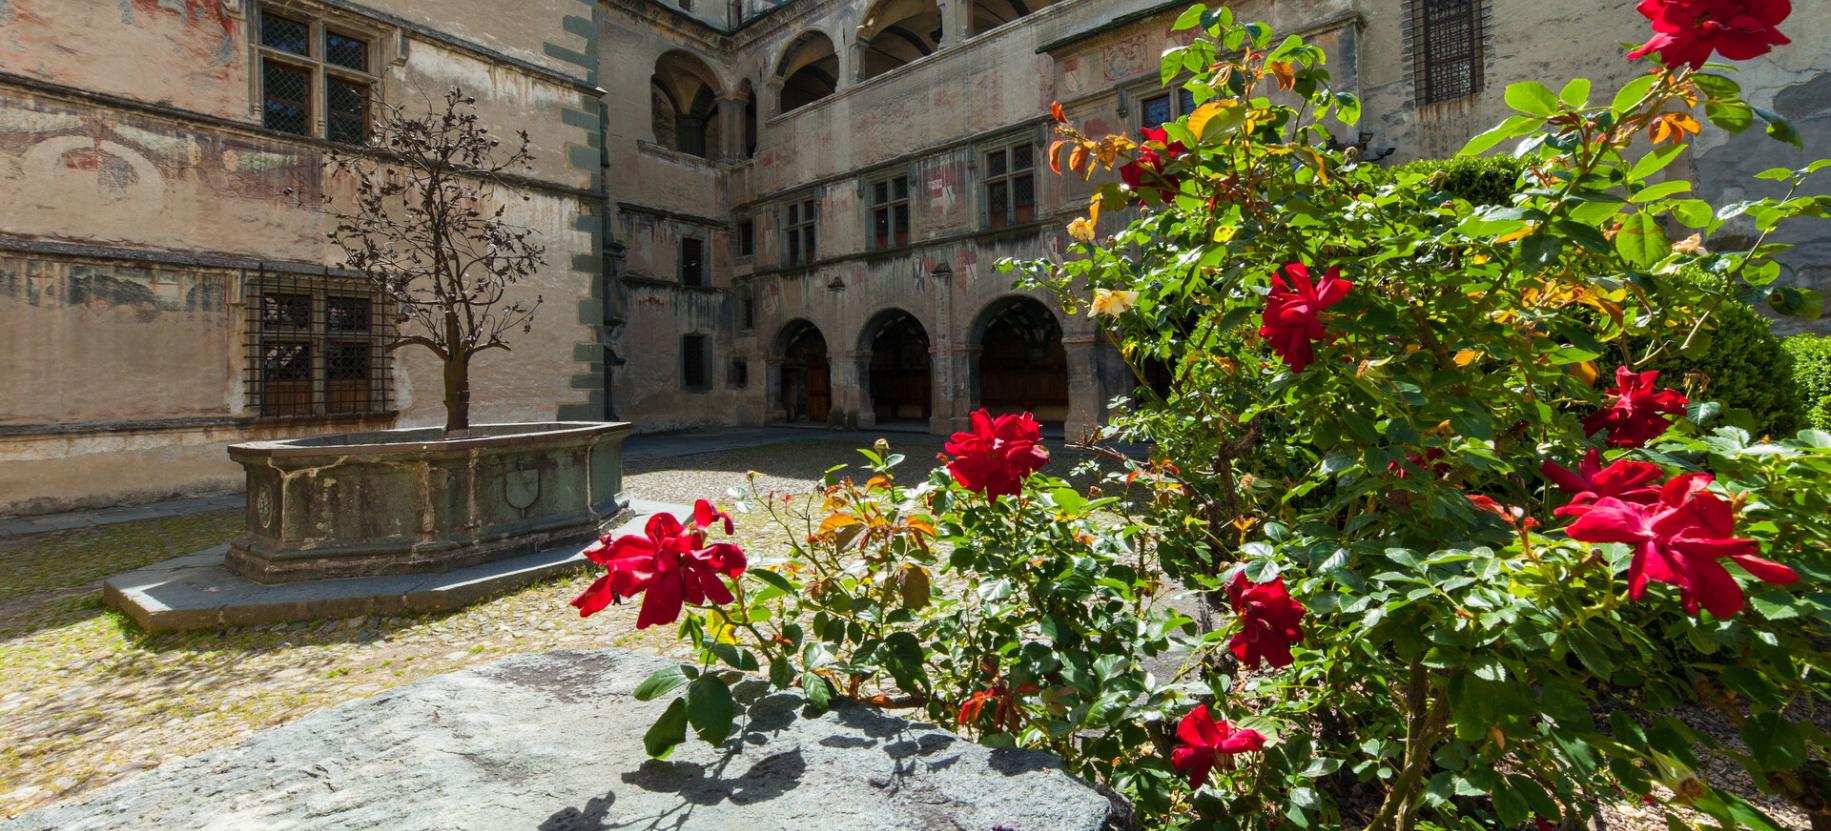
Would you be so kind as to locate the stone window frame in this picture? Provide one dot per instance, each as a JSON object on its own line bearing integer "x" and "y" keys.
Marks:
{"x": 868, "y": 192}
{"x": 1420, "y": 60}
{"x": 704, "y": 341}
{"x": 800, "y": 218}
{"x": 268, "y": 333}
{"x": 986, "y": 178}
{"x": 744, "y": 239}
{"x": 1135, "y": 99}
{"x": 321, "y": 70}
{"x": 746, "y": 310}
{"x": 700, "y": 275}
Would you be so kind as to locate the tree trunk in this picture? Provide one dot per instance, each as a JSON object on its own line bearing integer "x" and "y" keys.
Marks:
{"x": 457, "y": 394}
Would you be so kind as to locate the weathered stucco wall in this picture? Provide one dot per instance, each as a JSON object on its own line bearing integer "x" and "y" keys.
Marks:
{"x": 139, "y": 195}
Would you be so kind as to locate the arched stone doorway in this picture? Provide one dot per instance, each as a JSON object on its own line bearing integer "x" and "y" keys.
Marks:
{"x": 900, "y": 377}
{"x": 1022, "y": 364}
{"x": 805, "y": 387}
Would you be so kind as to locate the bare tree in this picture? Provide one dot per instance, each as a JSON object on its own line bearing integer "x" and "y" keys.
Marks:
{"x": 428, "y": 232}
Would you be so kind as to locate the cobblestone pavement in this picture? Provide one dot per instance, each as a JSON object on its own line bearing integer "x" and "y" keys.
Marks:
{"x": 89, "y": 699}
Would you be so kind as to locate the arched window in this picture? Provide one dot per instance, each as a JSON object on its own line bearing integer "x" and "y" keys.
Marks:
{"x": 809, "y": 71}
{"x": 895, "y": 33}
{"x": 683, "y": 97}
{"x": 991, "y": 14}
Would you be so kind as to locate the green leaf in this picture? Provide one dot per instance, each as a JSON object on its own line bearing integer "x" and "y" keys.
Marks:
{"x": 1640, "y": 240}
{"x": 818, "y": 690}
{"x": 1694, "y": 213}
{"x": 773, "y": 579}
{"x": 1532, "y": 98}
{"x": 1730, "y": 114}
{"x": 662, "y": 681}
{"x": 1797, "y": 302}
{"x": 1347, "y": 108}
{"x": 1780, "y": 128}
{"x": 1660, "y": 191}
{"x": 1190, "y": 18}
{"x": 1774, "y": 743}
{"x": 709, "y": 709}
{"x": 1717, "y": 86}
{"x": 1575, "y": 93}
{"x": 1632, "y": 92}
{"x": 1584, "y": 235}
{"x": 1654, "y": 161}
{"x": 668, "y": 731}
{"x": 781, "y": 673}
{"x": 1514, "y": 126}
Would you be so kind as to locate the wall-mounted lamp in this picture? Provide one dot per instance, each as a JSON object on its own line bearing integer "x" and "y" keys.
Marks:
{"x": 838, "y": 285}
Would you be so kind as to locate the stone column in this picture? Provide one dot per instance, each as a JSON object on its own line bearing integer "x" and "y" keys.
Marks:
{"x": 1084, "y": 387}
{"x": 955, "y": 411}
{"x": 730, "y": 115}
{"x": 956, "y": 16}
{"x": 848, "y": 386}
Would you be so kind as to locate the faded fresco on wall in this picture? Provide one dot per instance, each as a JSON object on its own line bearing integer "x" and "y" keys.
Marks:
{"x": 114, "y": 178}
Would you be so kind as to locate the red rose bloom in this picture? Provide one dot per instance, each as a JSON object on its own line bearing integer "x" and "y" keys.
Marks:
{"x": 1420, "y": 461}
{"x": 1625, "y": 480}
{"x": 1640, "y": 411}
{"x": 1149, "y": 161}
{"x": 995, "y": 457}
{"x": 1680, "y": 540}
{"x": 672, "y": 563}
{"x": 1686, "y": 32}
{"x": 1269, "y": 622}
{"x": 1291, "y": 320}
{"x": 1204, "y": 743}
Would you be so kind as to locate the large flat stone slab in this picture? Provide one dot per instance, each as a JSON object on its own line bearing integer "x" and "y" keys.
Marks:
{"x": 198, "y": 591}
{"x": 554, "y": 742}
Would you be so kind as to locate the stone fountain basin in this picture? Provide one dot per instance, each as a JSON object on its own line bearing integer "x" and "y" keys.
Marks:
{"x": 415, "y": 501}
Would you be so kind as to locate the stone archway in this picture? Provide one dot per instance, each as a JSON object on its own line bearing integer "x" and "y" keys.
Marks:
{"x": 804, "y": 385}
{"x": 899, "y": 378}
{"x": 1022, "y": 364}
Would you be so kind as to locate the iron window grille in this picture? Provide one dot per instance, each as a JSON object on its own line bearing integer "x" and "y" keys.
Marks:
{"x": 317, "y": 347}
{"x": 746, "y": 236}
{"x": 800, "y": 223}
{"x": 1161, "y": 106}
{"x": 316, "y": 79}
{"x": 890, "y": 213}
{"x": 1446, "y": 47}
{"x": 1008, "y": 185}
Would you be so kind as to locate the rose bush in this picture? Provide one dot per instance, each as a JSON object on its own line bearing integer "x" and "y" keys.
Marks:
{"x": 1405, "y": 551}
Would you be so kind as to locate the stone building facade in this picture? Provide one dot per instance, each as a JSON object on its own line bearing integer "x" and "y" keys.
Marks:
{"x": 755, "y": 212}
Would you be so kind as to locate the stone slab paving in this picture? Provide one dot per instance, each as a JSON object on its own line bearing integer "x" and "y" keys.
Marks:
{"x": 554, "y": 742}
{"x": 198, "y": 592}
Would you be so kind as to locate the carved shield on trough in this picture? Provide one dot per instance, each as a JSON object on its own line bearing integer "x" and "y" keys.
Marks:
{"x": 521, "y": 488}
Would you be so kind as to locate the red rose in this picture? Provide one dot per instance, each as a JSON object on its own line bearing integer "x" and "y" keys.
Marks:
{"x": 1624, "y": 480}
{"x": 1680, "y": 540}
{"x": 1148, "y": 161}
{"x": 995, "y": 457}
{"x": 1291, "y": 321}
{"x": 1269, "y": 622}
{"x": 1204, "y": 743}
{"x": 672, "y": 563}
{"x": 1640, "y": 411}
{"x": 1420, "y": 461}
{"x": 1686, "y": 32}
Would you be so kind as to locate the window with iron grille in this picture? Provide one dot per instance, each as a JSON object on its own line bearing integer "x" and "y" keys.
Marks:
{"x": 1446, "y": 46}
{"x": 695, "y": 362}
{"x": 747, "y": 236}
{"x": 1158, "y": 106}
{"x": 692, "y": 261}
{"x": 316, "y": 80}
{"x": 799, "y": 221}
{"x": 316, "y": 347}
{"x": 746, "y": 312}
{"x": 1008, "y": 185}
{"x": 889, "y": 213}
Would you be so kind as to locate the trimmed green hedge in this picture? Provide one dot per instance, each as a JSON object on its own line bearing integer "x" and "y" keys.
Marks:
{"x": 1812, "y": 373}
{"x": 1741, "y": 364}
{"x": 1482, "y": 180}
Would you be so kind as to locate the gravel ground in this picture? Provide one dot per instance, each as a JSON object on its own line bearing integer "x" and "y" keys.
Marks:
{"x": 89, "y": 699}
